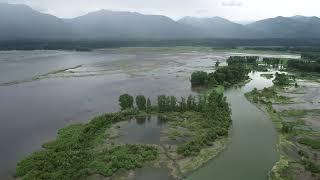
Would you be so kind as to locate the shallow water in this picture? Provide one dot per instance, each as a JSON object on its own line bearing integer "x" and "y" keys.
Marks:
{"x": 142, "y": 130}
{"x": 32, "y": 112}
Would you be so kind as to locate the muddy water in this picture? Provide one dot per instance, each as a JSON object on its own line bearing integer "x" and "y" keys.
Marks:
{"x": 31, "y": 112}
{"x": 252, "y": 151}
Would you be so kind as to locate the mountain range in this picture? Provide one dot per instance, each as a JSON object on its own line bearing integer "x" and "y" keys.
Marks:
{"x": 22, "y": 22}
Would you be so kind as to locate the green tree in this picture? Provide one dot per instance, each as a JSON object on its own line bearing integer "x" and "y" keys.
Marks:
{"x": 183, "y": 104}
{"x": 149, "y": 106}
{"x": 199, "y": 78}
{"x": 126, "y": 101}
{"x": 141, "y": 102}
{"x": 162, "y": 103}
{"x": 173, "y": 103}
{"x": 190, "y": 103}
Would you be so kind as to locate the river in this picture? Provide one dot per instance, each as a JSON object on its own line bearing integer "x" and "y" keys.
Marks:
{"x": 252, "y": 150}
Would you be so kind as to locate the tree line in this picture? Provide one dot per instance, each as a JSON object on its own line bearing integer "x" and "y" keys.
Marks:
{"x": 225, "y": 76}
{"x": 304, "y": 65}
{"x": 242, "y": 60}
{"x": 214, "y": 109}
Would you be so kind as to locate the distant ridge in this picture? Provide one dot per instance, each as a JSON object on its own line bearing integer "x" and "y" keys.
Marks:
{"x": 22, "y": 22}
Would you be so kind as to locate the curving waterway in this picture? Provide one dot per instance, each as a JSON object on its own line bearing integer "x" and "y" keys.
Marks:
{"x": 252, "y": 150}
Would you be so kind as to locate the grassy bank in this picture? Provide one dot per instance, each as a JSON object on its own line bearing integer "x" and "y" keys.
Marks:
{"x": 298, "y": 142}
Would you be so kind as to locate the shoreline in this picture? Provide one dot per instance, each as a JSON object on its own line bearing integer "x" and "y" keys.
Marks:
{"x": 286, "y": 146}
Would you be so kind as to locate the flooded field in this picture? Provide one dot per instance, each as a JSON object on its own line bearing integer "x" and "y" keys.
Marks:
{"x": 43, "y": 91}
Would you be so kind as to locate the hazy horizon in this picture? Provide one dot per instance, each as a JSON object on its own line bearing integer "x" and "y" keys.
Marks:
{"x": 242, "y": 11}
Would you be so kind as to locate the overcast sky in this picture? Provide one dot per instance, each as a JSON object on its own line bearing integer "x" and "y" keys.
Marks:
{"x": 237, "y": 10}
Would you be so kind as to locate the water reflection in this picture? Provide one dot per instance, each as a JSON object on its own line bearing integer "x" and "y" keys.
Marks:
{"x": 143, "y": 129}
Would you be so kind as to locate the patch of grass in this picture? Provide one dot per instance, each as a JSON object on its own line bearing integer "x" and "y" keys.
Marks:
{"x": 295, "y": 112}
{"x": 267, "y": 96}
{"x": 277, "y": 170}
{"x": 219, "y": 89}
{"x": 314, "y": 144}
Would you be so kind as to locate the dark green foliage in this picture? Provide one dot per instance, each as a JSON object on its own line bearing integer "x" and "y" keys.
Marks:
{"x": 163, "y": 103}
{"x": 310, "y": 142}
{"x": 141, "y": 102}
{"x": 173, "y": 103}
{"x": 149, "y": 106}
{"x": 272, "y": 62}
{"x": 282, "y": 79}
{"x": 191, "y": 103}
{"x": 126, "y": 101}
{"x": 199, "y": 78}
{"x": 216, "y": 121}
{"x": 191, "y": 148}
{"x": 305, "y": 65}
{"x": 287, "y": 128}
{"x": 225, "y": 76}
{"x": 123, "y": 157}
{"x": 182, "y": 105}
{"x": 310, "y": 166}
{"x": 242, "y": 60}
{"x": 73, "y": 156}
{"x": 311, "y": 55}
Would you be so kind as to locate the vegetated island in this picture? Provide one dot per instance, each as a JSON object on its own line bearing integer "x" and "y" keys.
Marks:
{"x": 296, "y": 116}
{"x": 197, "y": 131}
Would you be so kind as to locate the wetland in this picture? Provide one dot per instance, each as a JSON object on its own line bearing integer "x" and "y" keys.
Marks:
{"x": 89, "y": 83}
